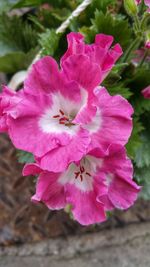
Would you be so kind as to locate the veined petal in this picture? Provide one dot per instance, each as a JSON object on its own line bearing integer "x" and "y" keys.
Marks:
{"x": 123, "y": 193}
{"x": 75, "y": 45}
{"x": 58, "y": 159}
{"x": 116, "y": 172}
{"x": 79, "y": 68}
{"x": 85, "y": 208}
{"x": 49, "y": 191}
{"x": 44, "y": 77}
{"x": 116, "y": 122}
{"x": 104, "y": 40}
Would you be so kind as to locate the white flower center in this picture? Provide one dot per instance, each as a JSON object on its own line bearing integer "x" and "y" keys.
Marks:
{"x": 81, "y": 175}
{"x": 59, "y": 115}
{"x": 63, "y": 119}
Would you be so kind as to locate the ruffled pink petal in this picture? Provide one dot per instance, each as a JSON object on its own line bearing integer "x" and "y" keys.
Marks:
{"x": 109, "y": 60}
{"x": 86, "y": 209}
{"x": 58, "y": 159}
{"x": 103, "y": 40}
{"x": 31, "y": 169}
{"x": 99, "y": 52}
{"x": 3, "y": 124}
{"x": 50, "y": 191}
{"x": 117, "y": 162}
{"x": 75, "y": 45}
{"x": 85, "y": 115}
{"x": 116, "y": 121}
{"x": 79, "y": 68}
{"x": 116, "y": 180}
{"x": 123, "y": 193}
{"x": 44, "y": 77}
{"x": 8, "y": 101}
{"x": 146, "y": 92}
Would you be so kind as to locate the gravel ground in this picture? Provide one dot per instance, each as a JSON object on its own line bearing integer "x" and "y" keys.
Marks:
{"x": 123, "y": 247}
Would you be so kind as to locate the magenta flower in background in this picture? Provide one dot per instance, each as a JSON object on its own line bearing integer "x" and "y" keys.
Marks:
{"x": 138, "y": 56}
{"x": 146, "y": 92}
{"x": 147, "y": 3}
{"x": 91, "y": 186}
{"x": 147, "y": 44}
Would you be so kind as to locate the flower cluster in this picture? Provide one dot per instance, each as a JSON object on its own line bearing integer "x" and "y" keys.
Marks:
{"x": 75, "y": 130}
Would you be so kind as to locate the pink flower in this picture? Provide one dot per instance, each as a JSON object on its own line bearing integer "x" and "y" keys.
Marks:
{"x": 99, "y": 52}
{"x": 139, "y": 54}
{"x": 147, "y": 3}
{"x": 91, "y": 186}
{"x": 147, "y": 44}
{"x": 60, "y": 128}
{"x": 63, "y": 114}
{"x": 146, "y": 92}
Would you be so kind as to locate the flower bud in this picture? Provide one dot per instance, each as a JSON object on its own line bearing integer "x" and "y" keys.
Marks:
{"x": 147, "y": 42}
{"x": 138, "y": 2}
{"x": 131, "y": 7}
{"x": 146, "y": 92}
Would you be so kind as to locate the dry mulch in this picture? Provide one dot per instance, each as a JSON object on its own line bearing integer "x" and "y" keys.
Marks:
{"x": 21, "y": 221}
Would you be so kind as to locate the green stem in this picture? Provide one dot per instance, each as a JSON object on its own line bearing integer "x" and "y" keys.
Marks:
{"x": 130, "y": 49}
{"x": 143, "y": 59}
{"x": 137, "y": 23}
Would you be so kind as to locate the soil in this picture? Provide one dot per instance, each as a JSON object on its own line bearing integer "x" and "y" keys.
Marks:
{"x": 22, "y": 221}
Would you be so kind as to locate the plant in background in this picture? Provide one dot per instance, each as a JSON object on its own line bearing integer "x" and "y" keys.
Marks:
{"x": 77, "y": 132}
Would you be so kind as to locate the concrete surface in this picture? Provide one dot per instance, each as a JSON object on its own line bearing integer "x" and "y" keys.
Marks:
{"x": 124, "y": 247}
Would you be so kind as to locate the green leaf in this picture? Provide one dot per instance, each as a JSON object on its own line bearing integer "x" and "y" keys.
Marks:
{"x": 142, "y": 175}
{"x": 142, "y": 157}
{"x": 18, "y": 44}
{"x": 119, "y": 89}
{"x": 14, "y": 61}
{"x": 17, "y": 34}
{"x": 24, "y": 157}
{"x": 116, "y": 25}
{"x": 103, "y": 4}
{"x": 135, "y": 140}
{"x": 6, "y": 5}
{"x": 119, "y": 67}
{"x": 27, "y": 3}
{"x": 137, "y": 80}
{"x": 49, "y": 42}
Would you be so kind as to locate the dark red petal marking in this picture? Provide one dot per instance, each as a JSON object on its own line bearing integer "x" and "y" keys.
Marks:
{"x": 76, "y": 174}
{"x": 81, "y": 177}
{"x": 65, "y": 118}
{"x": 82, "y": 169}
{"x": 62, "y": 113}
{"x": 87, "y": 173}
{"x": 61, "y": 122}
{"x": 56, "y": 116}
{"x": 62, "y": 119}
